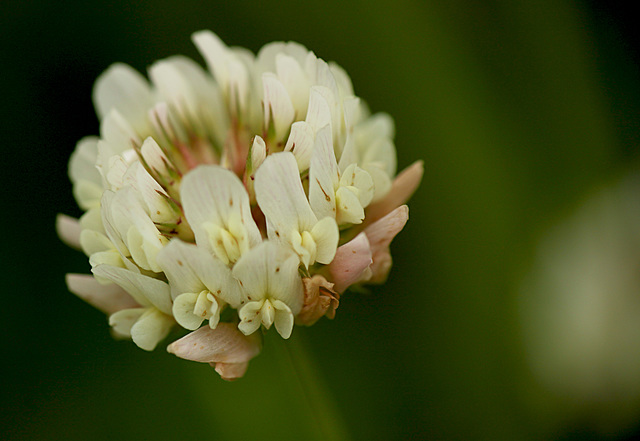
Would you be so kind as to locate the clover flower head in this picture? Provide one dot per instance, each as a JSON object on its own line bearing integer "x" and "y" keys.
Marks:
{"x": 229, "y": 200}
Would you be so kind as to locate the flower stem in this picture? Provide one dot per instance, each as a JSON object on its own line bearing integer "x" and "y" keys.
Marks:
{"x": 312, "y": 389}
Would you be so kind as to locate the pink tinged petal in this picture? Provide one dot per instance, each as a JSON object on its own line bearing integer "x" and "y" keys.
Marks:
{"x": 404, "y": 185}
{"x": 230, "y": 371}
{"x": 145, "y": 290}
{"x": 380, "y": 235}
{"x": 107, "y": 298}
{"x": 68, "y": 229}
{"x": 225, "y": 344}
{"x": 281, "y": 197}
{"x": 351, "y": 262}
{"x": 122, "y": 88}
{"x": 300, "y": 143}
{"x": 277, "y": 106}
{"x": 319, "y": 299}
{"x": 323, "y": 175}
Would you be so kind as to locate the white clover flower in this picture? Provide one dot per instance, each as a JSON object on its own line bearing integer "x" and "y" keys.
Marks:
{"x": 249, "y": 195}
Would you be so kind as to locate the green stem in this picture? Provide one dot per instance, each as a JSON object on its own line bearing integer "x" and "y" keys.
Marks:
{"x": 312, "y": 389}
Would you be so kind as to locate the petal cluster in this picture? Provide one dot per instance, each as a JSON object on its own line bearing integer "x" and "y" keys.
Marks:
{"x": 229, "y": 200}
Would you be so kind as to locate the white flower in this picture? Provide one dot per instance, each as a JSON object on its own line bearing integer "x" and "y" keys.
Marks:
{"x": 250, "y": 195}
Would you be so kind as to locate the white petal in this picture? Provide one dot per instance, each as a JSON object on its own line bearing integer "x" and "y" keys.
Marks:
{"x": 82, "y": 163}
{"x": 350, "y": 263}
{"x": 323, "y": 175}
{"x": 381, "y": 181}
{"x": 277, "y": 105}
{"x": 123, "y": 320}
{"x": 354, "y": 176}
{"x": 183, "y": 307}
{"x": 300, "y": 143}
{"x": 214, "y": 51}
{"x": 107, "y": 298}
{"x": 350, "y": 209}
{"x": 145, "y": 290}
{"x": 225, "y": 344}
{"x": 216, "y": 195}
{"x": 250, "y": 316}
{"x": 116, "y": 132}
{"x": 122, "y": 88}
{"x": 326, "y": 235}
{"x": 319, "y": 111}
{"x": 191, "y": 269}
{"x": 283, "y": 319}
{"x": 258, "y": 152}
{"x": 68, "y": 229}
{"x": 294, "y": 80}
{"x": 342, "y": 79}
{"x": 94, "y": 242}
{"x": 280, "y": 195}
{"x": 150, "y": 328}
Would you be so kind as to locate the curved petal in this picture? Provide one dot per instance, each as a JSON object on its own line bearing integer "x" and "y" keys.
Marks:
{"x": 215, "y": 195}
{"x": 122, "y": 88}
{"x": 281, "y": 197}
{"x": 277, "y": 106}
{"x": 145, "y": 290}
{"x": 225, "y": 344}
{"x": 68, "y": 229}
{"x": 107, "y": 298}
{"x": 403, "y": 186}
{"x": 350, "y": 263}
{"x": 380, "y": 235}
{"x": 150, "y": 328}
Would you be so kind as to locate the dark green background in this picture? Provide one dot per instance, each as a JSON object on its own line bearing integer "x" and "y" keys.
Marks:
{"x": 519, "y": 110}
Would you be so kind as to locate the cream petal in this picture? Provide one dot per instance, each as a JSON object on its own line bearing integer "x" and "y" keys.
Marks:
{"x": 175, "y": 260}
{"x": 300, "y": 143}
{"x": 216, "y": 195}
{"x": 250, "y": 316}
{"x": 403, "y": 186}
{"x": 191, "y": 269}
{"x": 183, "y": 307}
{"x": 280, "y": 195}
{"x": 92, "y": 220}
{"x": 349, "y": 208}
{"x": 345, "y": 87}
{"x": 326, "y": 235}
{"x": 277, "y": 105}
{"x": 68, "y": 229}
{"x": 122, "y": 321}
{"x": 225, "y": 344}
{"x": 319, "y": 110}
{"x": 107, "y": 298}
{"x": 381, "y": 181}
{"x": 145, "y": 290}
{"x": 150, "y": 328}
{"x": 117, "y": 133}
{"x": 283, "y": 319}
{"x": 350, "y": 263}
{"x": 323, "y": 175}
{"x": 122, "y": 88}
{"x": 354, "y": 176}
{"x": 295, "y": 81}
{"x": 215, "y": 53}
{"x": 82, "y": 163}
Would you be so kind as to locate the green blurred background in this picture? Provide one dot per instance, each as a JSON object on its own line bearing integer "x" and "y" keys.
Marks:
{"x": 520, "y": 110}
